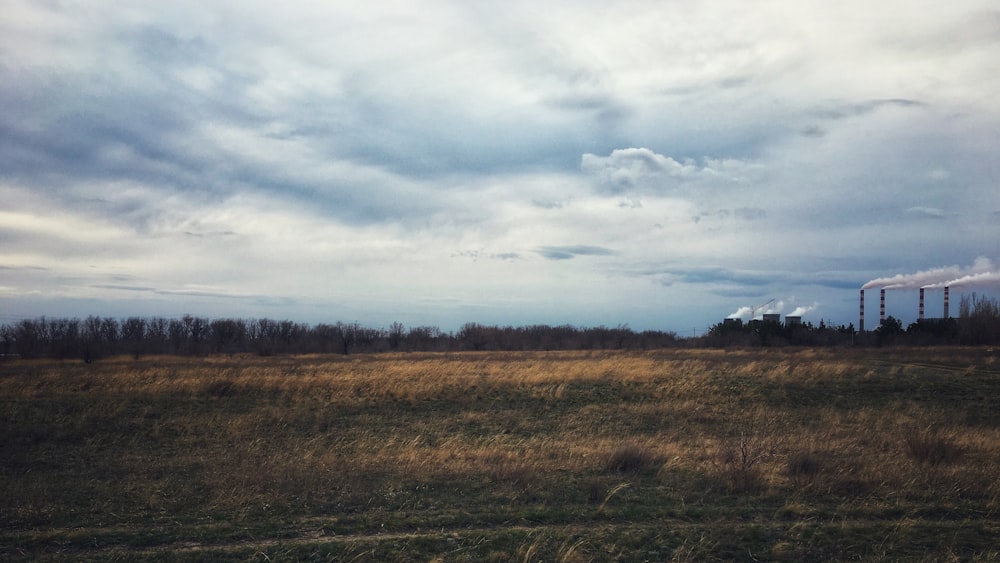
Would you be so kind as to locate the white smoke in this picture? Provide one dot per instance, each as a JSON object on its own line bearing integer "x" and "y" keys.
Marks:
{"x": 745, "y": 312}
{"x": 915, "y": 280}
{"x": 936, "y": 277}
{"x": 740, "y": 313}
{"x": 984, "y": 278}
{"x": 801, "y": 311}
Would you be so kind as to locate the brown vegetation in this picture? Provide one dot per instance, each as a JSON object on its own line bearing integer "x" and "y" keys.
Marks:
{"x": 579, "y": 456}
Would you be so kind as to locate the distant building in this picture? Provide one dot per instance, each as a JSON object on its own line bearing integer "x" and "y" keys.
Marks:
{"x": 772, "y": 318}
{"x": 793, "y": 320}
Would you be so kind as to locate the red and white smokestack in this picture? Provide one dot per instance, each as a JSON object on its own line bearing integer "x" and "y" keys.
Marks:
{"x": 946, "y": 302}
{"x": 881, "y": 307}
{"x": 861, "y": 313}
{"x": 921, "y": 310}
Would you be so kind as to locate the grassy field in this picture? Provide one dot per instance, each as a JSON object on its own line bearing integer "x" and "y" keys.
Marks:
{"x": 683, "y": 455}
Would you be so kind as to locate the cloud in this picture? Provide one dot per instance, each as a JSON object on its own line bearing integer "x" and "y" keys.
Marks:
{"x": 641, "y": 170}
{"x": 708, "y": 275}
{"x": 927, "y": 212}
{"x": 340, "y": 157}
{"x": 855, "y": 109}
{"x": 568, "y": 252}
{"x": 814, "y": 131}
{"x": 750, "y": 213}
{"x": 624, "y": 169}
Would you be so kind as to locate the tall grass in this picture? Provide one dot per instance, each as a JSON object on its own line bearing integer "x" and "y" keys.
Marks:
{"x": 210, "y": 448}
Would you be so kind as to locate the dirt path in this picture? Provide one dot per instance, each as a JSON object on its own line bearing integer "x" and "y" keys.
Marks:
{"x": 307, "y": 536}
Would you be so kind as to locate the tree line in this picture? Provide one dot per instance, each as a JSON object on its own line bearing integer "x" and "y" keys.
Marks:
{"x": 95, "y": 337}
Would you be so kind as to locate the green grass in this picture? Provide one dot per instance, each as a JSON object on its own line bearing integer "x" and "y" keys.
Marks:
{"x": 684, "y": 455}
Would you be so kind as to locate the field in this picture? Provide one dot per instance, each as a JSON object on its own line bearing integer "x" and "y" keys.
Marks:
{"x": 683, "y": 455}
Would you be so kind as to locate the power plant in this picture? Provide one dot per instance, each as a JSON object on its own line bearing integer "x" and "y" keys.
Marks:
{"x": 881, "y": 307}
{"x": 983, "y": 272}
{"x": 792, "y": 319}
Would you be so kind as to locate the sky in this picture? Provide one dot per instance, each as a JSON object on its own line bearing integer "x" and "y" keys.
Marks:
{"x": 660, "y": 164}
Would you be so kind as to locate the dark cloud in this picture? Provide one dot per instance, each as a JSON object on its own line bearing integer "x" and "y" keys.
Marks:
{"x": 722, "y": 275}
{"x": 24, "y": 268}
{"x": 750, "y": 213}
{"x": 742, "y": 213}
{"x": 812, "y": 131}
{"x": 477, "y": 254}
{"x": 731, "y": 282}
{"x": 197, "y": 293}
{"x": 606, "y": 108}
{"x": 211, "y": 234}
{"x": 568, "y": 252}
{"x": 926, "y": 212}
{"x": 121, "y": 287}
{"x": 547, "y": 204}
{"x": 844, "y": 111}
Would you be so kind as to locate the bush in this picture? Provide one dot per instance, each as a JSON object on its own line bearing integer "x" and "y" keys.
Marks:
{"x": 631, "y": 458}
{"x": 750, "y": 442}
{"x": 221, "y": 388}
{"x": 927, "y": 446}
{"x": 802, "y": 468}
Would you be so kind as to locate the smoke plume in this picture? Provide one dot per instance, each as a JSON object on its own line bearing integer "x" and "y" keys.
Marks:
{"x": 983, "y": 278}
{"x": 800, "y": 311}
{"x": 742, "y": 312}
{"x": 938, "y": 277}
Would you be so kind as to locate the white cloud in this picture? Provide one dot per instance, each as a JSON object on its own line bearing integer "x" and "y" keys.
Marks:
{"x": 927, "y": 212}
{"x": 641, "y": 170}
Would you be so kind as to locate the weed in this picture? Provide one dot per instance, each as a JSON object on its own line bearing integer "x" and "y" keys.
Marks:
{"x": 220, "y": 388}
{"x": 611, "y": 493}
{"x": 928, "y": 446}
{"x": 802, "y": 468}
{"x": 749, "y": 443}
{"x": 631, "y": 458}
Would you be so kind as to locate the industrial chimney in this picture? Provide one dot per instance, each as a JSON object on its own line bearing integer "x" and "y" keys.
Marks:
{"x": 946, "y": 302}
{"x": 861, "y": 319}
{"x": 920, "y": 314}
{"x": 881, "y": 307}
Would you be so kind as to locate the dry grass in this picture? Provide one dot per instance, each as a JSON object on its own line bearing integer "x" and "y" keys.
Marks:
{"x": 870, "y": 439}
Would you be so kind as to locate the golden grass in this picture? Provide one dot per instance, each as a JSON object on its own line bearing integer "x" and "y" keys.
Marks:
{"x": 501, "y": 434}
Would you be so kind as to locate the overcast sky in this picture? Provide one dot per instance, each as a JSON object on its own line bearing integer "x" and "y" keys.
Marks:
{"x": 660, "y": 164}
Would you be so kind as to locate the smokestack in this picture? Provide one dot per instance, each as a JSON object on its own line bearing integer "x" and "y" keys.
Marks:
{"x": 921, "y": 310}
{"x": 881, "y": 307}
{"x": 946, "y": 302}
{"x": 861, "y": 313}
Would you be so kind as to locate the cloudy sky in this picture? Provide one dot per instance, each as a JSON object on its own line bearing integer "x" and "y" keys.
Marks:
{"x": 657, "y": 164}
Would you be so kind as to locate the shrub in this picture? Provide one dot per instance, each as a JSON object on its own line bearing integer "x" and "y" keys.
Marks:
{"x": 631, "y": 458}
{"x": 927, "y": 446}
{"x": 802, "y": 468}
{"x": 750, "y": 442}
{"x": 221, "y": 388}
